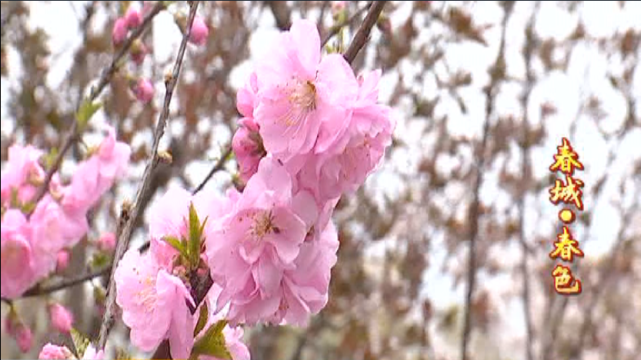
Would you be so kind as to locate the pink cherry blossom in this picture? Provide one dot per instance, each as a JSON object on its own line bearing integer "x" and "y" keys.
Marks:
{"x": 246, "y": 97}
{"x": 55, "y": 352}
{"x": 107, "y": 242}
{"x": 248, "y": 148}
{"x": 302, "y": 98}
{"x": 62, "y": 260}
{"x": 56, "y": 228}
{"x": 199, "y": 31}
{"x": 18, "y": 265}
{"x": 22, "y": 173}
{"x": 92, "y": 354}
{"x": 61, "y": 318}
{"x": 96, "y": 175}
{"x": 133, "y": 18}
{"x": 169, "y": 217}
{"x": 154, "y": 304}
{"x": 119, "y": 31}
{"x": 356, "y": 152}
{"x": 144, "y": 91}
{"x": 262, "y": 236}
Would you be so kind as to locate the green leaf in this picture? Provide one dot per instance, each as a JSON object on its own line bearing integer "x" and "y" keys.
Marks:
{"x": 80, "y": 342}
{"x": 202, "y": 319}
{"x": 85, "y": 112}
{"x": 213, "y": 342}
{"x": 194, "y": 237}
{"x": 177, "y": 244}
{"x": 100, "y": 260}
{"x": 50, "y": 158}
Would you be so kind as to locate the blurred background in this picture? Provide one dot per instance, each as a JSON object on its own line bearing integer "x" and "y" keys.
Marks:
{"x": 447, "y": 243}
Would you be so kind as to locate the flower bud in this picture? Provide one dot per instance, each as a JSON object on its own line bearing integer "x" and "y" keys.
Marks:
{"x": 138, "y": 52}
{"x": 337, "y": 7}
{"x": 62, "y": 260}
{"x": 61, "y": 318}
{"x": 107, "y": 242}
{"x": 119, "y": 32}
{"x": 144, "y": 90}
{"x": 21, "y": 333}
{"x": 133, "y": 18}
{"x": 199, "y": 31}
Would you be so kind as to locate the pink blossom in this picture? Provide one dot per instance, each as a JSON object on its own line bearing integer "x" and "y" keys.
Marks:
{"x": 55, "y": 352}
{"x": 61, "y": 318}
{"x": 257, "y": 240}
{"x": 306, "y": 287}
{"x": 107, "y": 242}
{"x": 199, "y": 31}
{"x": 356, "y": 152}
{"x": 92, "y": 354}
{"x": 169, "y": 217}
{"x": 19, "y": 331}
{"x": 96, "y": 175}
{"x": 22, "y": 173}
{"x": 119, "y": 32}
{"x": 248, "y": 148}
{"x": 144, "y": 91}
{"x": 62, "y": 260}
{"x": 56, "y": 228}
{"x": 302, "y": 98}
{"x": 18, "y": 265}
{"x": 246, "y": 97}
{"x": 154, "y": 304}
{"x": 133, "y": 18}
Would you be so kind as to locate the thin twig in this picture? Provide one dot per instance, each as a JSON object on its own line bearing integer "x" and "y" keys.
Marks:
{"x": 525, "y": 178}
{"x": 128, "y": 215}
{"x": 105, "y": 78}
{"x": 363, "y": 32}
{"x": 497, "y": 73}
{"x": 282, "y": 14}
{"x": 217, "y": 167}
{"x": 337, "y": 28}
{"x": 66, "y": 283}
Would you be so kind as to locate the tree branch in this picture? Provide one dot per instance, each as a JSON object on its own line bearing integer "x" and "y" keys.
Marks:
{"x": 497, "y": 73}
{"x": 337, "y": 28}
{"x": 363, "y": 32}
{"x": 105, "y": 78}
{"x": 66, "y": 283}
{"x": 525, "y": 179}
{"x": 128, "y": 215}
{"x": 217, "y": 167}
{"x": 282, "y": 14}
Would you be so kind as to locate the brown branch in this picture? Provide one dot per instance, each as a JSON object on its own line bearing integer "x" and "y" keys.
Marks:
{"x": 363, "y": 32}
{"x": 105, "y": 78}
{"x": 129, "y": 214}
{"x": 282, "y": 14}
{"x": 337, "y": 28}
{"x": 66, "y": 283}
{"x": 497, "y": 73}
{"x": 217, "y": 167}
{"x": 525, "y": 178}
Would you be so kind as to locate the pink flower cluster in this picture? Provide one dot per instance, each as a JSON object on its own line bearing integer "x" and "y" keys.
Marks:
{"x": 32, "y": 242}
{"x": 56, "y": 352}
{"x": 311, "y": 131}
{"x": 153, "y": 289}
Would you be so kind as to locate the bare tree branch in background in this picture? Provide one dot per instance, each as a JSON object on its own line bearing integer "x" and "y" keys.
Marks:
{"x": 497, "y": 73}
{"x": 126, "y": 223}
